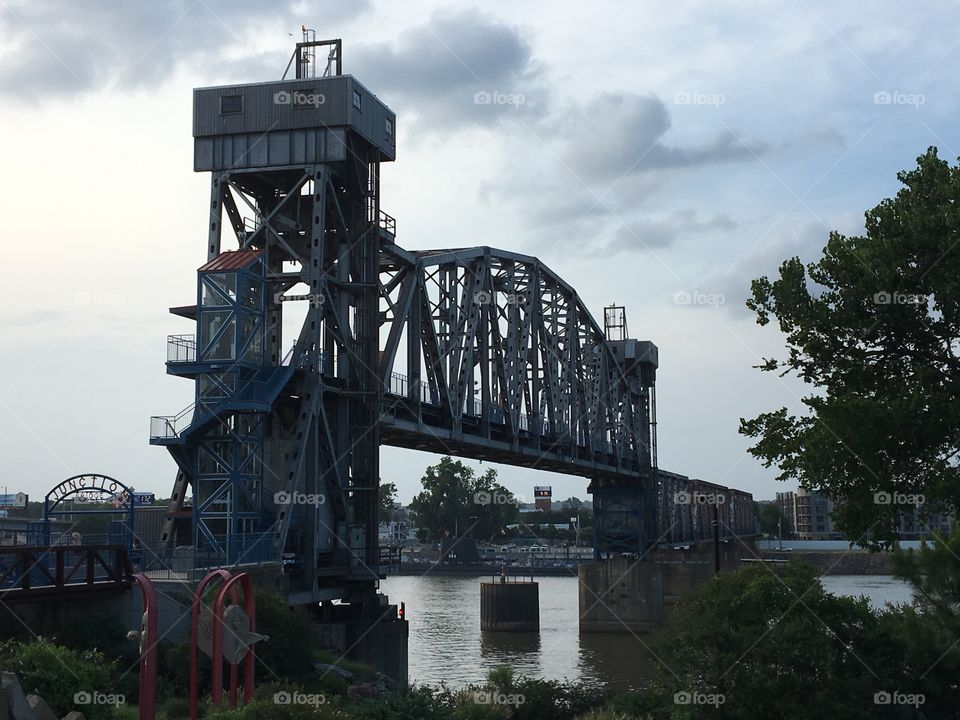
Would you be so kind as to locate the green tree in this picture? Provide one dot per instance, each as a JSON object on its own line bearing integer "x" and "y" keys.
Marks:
{"x": 388, "y": 501}
{"x": 934, "y": 573}
{"x": 455, "y": 501}
{"x": 772, "y": 520}
{"x": 929, "y": 630}
{"x": 776, "y": 644}
{"x": 873, "y": 327}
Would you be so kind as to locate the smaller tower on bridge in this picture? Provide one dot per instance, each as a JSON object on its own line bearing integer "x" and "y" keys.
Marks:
{"x": 625, "y": 513}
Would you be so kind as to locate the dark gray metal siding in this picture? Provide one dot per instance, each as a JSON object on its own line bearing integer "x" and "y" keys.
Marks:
{"x": 279, "y": 147}
{"x": 284, "y": 111}
{"x": 148, "y": 523}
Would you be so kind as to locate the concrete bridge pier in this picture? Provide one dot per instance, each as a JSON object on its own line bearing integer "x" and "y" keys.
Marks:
{"x": 624, "y": 594}
{"x": 512, "y": 606}
{"x": 621, "y": 595}
{"x": 373, "y": 634}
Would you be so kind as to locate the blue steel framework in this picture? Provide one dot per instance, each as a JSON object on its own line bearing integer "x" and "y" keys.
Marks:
{"x": 474, "y": 352}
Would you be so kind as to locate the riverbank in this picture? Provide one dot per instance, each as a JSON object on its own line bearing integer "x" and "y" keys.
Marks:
{"x": 438, "y": 568}
{"x": 856, "y": 562}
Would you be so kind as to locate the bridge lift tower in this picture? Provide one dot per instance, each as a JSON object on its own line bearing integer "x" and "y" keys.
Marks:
{"x": 280, "y": 448}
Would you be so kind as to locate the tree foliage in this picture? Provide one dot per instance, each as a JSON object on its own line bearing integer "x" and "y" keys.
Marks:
{"x": 60, "y": 675}
{"x": 771, "y": 518}
{"x": 455, "y": 500}
{"x": 873, "y": 327}
{"x": 776, "y": 644}
{"x": 388, "y": 501}
{"x": 934, "y": 573}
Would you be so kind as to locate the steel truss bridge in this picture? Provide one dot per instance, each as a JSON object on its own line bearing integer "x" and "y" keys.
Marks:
{"x": 474, "y": 352}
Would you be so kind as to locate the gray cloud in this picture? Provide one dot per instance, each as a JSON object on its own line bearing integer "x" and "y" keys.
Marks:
{"x": 617, "y": 134}
{"x": 60, "y": 46}
{"x": 734, "y": 281}
{"x": 593, "y": 189}
{"x": 458, "y": 68}
{"x": 646, "y": 234}
{"x": 32, "y": 318}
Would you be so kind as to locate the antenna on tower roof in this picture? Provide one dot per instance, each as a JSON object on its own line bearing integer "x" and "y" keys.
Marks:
{"x": 306, "y": 58}
{"x": 615, "y": 322}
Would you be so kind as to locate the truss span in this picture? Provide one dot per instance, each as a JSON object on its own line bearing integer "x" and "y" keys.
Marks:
{"x": 490, "y": 354}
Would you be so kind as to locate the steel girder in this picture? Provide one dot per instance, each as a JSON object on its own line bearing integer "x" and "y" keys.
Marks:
{"x": 489, "y": 354}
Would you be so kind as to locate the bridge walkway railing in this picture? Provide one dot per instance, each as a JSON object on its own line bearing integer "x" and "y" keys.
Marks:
{"x": 29, "y": 571}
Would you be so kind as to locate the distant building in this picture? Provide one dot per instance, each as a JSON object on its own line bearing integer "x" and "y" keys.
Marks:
{"x": 809, "y": 516}
{"x": 543, "y": 497}
{"x": 394, "y": 533}
{"x": 808, "y": 513}
{"x": 919, "y": 523}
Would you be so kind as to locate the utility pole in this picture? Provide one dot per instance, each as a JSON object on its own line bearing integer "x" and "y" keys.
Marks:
{"x": 716, "y": 538}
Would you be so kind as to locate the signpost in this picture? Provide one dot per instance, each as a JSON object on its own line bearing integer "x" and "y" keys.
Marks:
{"x": 9, "y": 501}
{"x": 142, "y": 497}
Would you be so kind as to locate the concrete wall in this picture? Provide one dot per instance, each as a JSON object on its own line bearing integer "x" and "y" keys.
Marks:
{"x": 628, "y": 595}
{"x": 621, "y": 595}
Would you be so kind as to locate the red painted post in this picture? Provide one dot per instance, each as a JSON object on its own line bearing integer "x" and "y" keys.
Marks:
{"x": 233, "y": 686}
{"x": 250, "y": 660}
{"x": 148, "y": 657}
{"x": 194, "y": 650}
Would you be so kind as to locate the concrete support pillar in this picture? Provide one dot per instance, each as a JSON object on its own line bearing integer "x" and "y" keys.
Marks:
{"x": 510, "y": 606}
{"x": 620, "y": 595}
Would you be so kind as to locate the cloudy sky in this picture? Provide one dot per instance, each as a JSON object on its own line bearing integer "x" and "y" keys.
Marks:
{"x": 657, "y": 155}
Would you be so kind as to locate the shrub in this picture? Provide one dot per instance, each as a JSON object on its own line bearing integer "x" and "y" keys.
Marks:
{"x": 422, "y": 703}
{"x": 58, "y": 674}
{"x": 174, "y": 708}
{"x": 290, "y": 652}
{"x": 269, "y": 710}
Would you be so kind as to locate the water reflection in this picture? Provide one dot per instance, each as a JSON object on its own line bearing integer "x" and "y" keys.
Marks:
{"x": 447, "y": 645}
{"x": 620, "y": 661}
{"x": 505, "y": 647}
